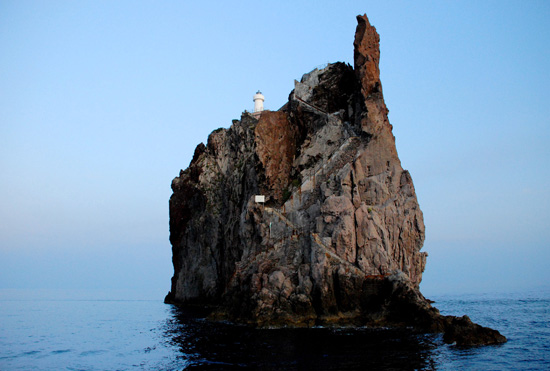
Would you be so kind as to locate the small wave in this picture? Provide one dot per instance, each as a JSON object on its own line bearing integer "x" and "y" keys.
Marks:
{"x": 91, "y": 353}
{"x": 61, "y": 351}
{"x": 31, "y": 353}
{"x": 149, "y": 349}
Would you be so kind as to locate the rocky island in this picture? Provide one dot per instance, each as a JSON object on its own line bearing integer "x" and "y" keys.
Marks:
{"x": 304, "y": 216}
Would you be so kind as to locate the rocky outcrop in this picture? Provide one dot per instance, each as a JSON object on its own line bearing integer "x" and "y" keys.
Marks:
{"x": 338, "y": 240}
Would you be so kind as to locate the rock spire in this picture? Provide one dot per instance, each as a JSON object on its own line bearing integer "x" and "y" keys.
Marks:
{"x": 339, "y": 238}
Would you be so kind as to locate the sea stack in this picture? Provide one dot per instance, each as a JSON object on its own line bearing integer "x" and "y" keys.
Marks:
{"x": 336, "y": 238}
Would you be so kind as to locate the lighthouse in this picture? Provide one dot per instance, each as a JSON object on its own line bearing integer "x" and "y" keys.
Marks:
{"x": 258, "y": 102}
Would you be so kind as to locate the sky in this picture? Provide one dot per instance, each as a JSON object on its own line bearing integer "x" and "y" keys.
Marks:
{"x": 102, "y": 103}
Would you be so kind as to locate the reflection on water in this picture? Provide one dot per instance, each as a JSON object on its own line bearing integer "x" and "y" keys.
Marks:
{"x": 220, "y": 346}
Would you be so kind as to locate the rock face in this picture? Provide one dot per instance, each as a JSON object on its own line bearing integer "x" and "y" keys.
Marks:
{"x": 338, "y": 240}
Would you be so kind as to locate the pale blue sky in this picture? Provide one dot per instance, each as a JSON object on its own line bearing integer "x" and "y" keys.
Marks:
{"x": 102, "y": 103}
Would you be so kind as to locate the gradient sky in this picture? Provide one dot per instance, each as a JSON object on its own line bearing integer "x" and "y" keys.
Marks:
{"x": 102, "y": 103}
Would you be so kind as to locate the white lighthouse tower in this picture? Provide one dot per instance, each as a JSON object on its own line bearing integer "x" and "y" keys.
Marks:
{"x": 258, "y": 102}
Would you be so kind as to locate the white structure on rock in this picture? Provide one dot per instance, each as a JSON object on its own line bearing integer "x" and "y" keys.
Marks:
{"x": 258, "y": 102}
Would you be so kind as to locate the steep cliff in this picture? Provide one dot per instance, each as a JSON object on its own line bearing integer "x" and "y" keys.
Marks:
{"x": 339, "y": 237}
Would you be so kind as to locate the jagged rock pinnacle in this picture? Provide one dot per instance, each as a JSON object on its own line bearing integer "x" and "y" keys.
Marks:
{"x": 339, "y": 238}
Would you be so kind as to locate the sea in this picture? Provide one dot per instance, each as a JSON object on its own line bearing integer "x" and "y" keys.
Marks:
{"x": 64, "y": 331}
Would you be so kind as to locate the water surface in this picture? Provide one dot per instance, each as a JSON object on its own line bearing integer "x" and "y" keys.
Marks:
{"x": 68, "y": 333}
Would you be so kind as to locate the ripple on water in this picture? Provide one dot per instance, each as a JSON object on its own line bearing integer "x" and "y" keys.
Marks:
{"x": 31, "y": 353}
{"x": 61, "y": 351}
{"x": 89, "y": 353}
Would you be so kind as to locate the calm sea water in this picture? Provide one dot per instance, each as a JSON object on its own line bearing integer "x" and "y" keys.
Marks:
{"x": 68, "y": 333}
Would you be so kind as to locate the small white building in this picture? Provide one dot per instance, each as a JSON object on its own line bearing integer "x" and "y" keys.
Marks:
{"x": 258, "y": 102}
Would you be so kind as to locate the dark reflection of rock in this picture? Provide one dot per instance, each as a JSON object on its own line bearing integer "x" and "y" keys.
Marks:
{"x": 221, "y": 346}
